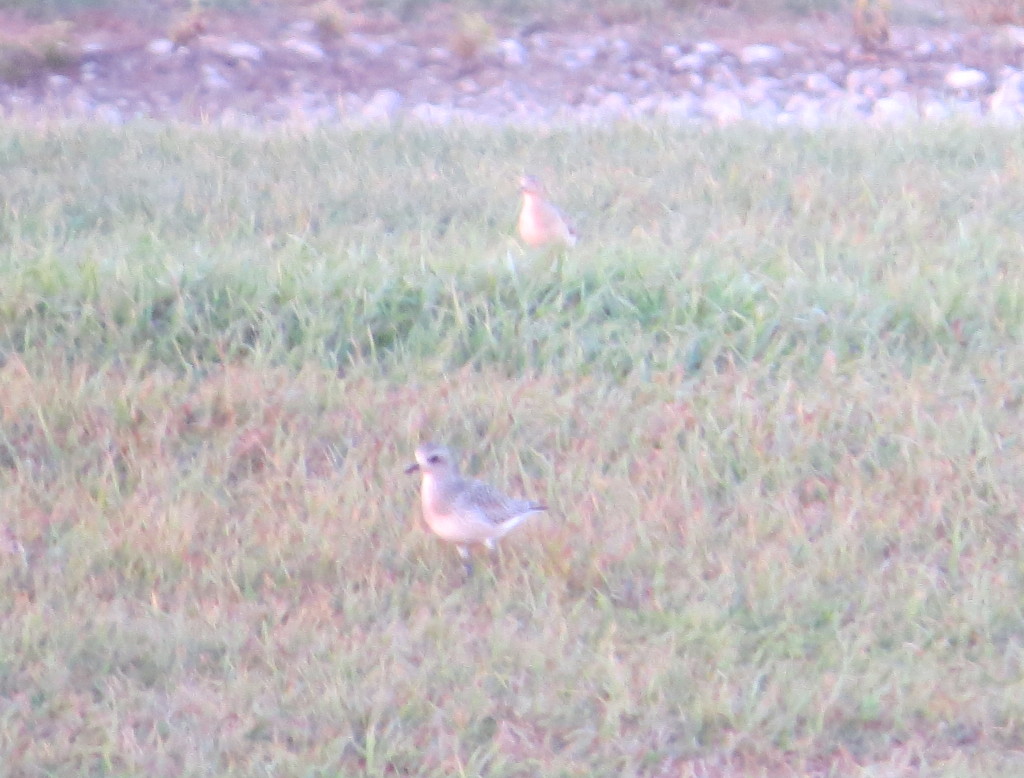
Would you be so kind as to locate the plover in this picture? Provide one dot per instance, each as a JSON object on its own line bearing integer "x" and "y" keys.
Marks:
{"x": 461, "y": 510}
{"x": 541, "y": 223}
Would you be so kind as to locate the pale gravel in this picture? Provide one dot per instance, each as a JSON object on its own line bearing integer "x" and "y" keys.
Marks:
{"x": 540, "y": 78}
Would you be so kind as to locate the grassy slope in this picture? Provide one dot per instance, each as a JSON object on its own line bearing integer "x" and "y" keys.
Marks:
{"x": 773, "y": 400}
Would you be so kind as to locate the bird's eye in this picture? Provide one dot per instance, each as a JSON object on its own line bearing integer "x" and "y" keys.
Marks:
{"x": 434, "y": 459}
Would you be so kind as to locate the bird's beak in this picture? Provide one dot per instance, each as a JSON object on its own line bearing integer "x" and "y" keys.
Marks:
{"x": 412, "y": 468}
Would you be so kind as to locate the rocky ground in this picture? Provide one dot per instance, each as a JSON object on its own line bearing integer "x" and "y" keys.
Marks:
{"x": 278, "y": 69}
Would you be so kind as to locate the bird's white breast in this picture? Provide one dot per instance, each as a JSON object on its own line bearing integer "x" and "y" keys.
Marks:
{"x": 447, "y": 523}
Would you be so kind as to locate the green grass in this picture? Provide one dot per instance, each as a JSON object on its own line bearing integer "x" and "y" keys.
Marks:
{"x": 773, "y": 400}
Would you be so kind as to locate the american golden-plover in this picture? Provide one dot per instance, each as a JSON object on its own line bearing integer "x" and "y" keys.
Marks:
{"x": 541, "y": 223}
{"x": 461, "y": 510}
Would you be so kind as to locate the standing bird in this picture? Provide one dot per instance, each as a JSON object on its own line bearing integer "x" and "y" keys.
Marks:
{"x": 541, "y": 223}
{"x": 464, "y": 511}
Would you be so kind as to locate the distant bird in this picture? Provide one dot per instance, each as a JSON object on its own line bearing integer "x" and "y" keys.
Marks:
{"x": 464, "y": 511}
{"x": 541, "y": 223}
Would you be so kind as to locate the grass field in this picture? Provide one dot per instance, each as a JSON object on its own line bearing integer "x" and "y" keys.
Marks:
{"x": 773, "y": 400}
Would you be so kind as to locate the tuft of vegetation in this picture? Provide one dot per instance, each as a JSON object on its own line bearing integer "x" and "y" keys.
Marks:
{"x": 995, "y": 11}
{"x": 44, "y": 48}
{"x": 330, "y": 19}
{"x": 188, "y": 25}
{"x": 871, "y": 22}
{"x": 773, "y": 399}
{"x": 473, "y": 34}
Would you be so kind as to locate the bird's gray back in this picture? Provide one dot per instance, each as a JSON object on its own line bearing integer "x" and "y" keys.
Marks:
{"x": 486, "y": 501}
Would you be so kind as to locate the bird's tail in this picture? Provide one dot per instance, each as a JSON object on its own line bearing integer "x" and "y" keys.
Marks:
{"x": 529, "y": 509}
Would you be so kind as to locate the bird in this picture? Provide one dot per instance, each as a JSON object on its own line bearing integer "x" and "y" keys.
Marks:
{"x": 465, "y": 511}
{"x": 541, "y": 223}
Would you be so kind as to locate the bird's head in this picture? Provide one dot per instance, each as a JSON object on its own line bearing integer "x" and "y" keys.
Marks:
{"x": 432, "y": 458}
{"x": 531, "y": 185}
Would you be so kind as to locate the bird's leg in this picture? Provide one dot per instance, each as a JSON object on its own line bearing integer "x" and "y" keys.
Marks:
{"x": 511, "y": 264}
{"x": 559, "y": 262}
{"x": 492, "y": 546}
{"x": 467, "y": 562}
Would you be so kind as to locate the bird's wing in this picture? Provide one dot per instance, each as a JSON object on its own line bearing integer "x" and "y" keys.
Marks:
{"x": 491, "y": 505}
{"x": 563, "y": 224}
